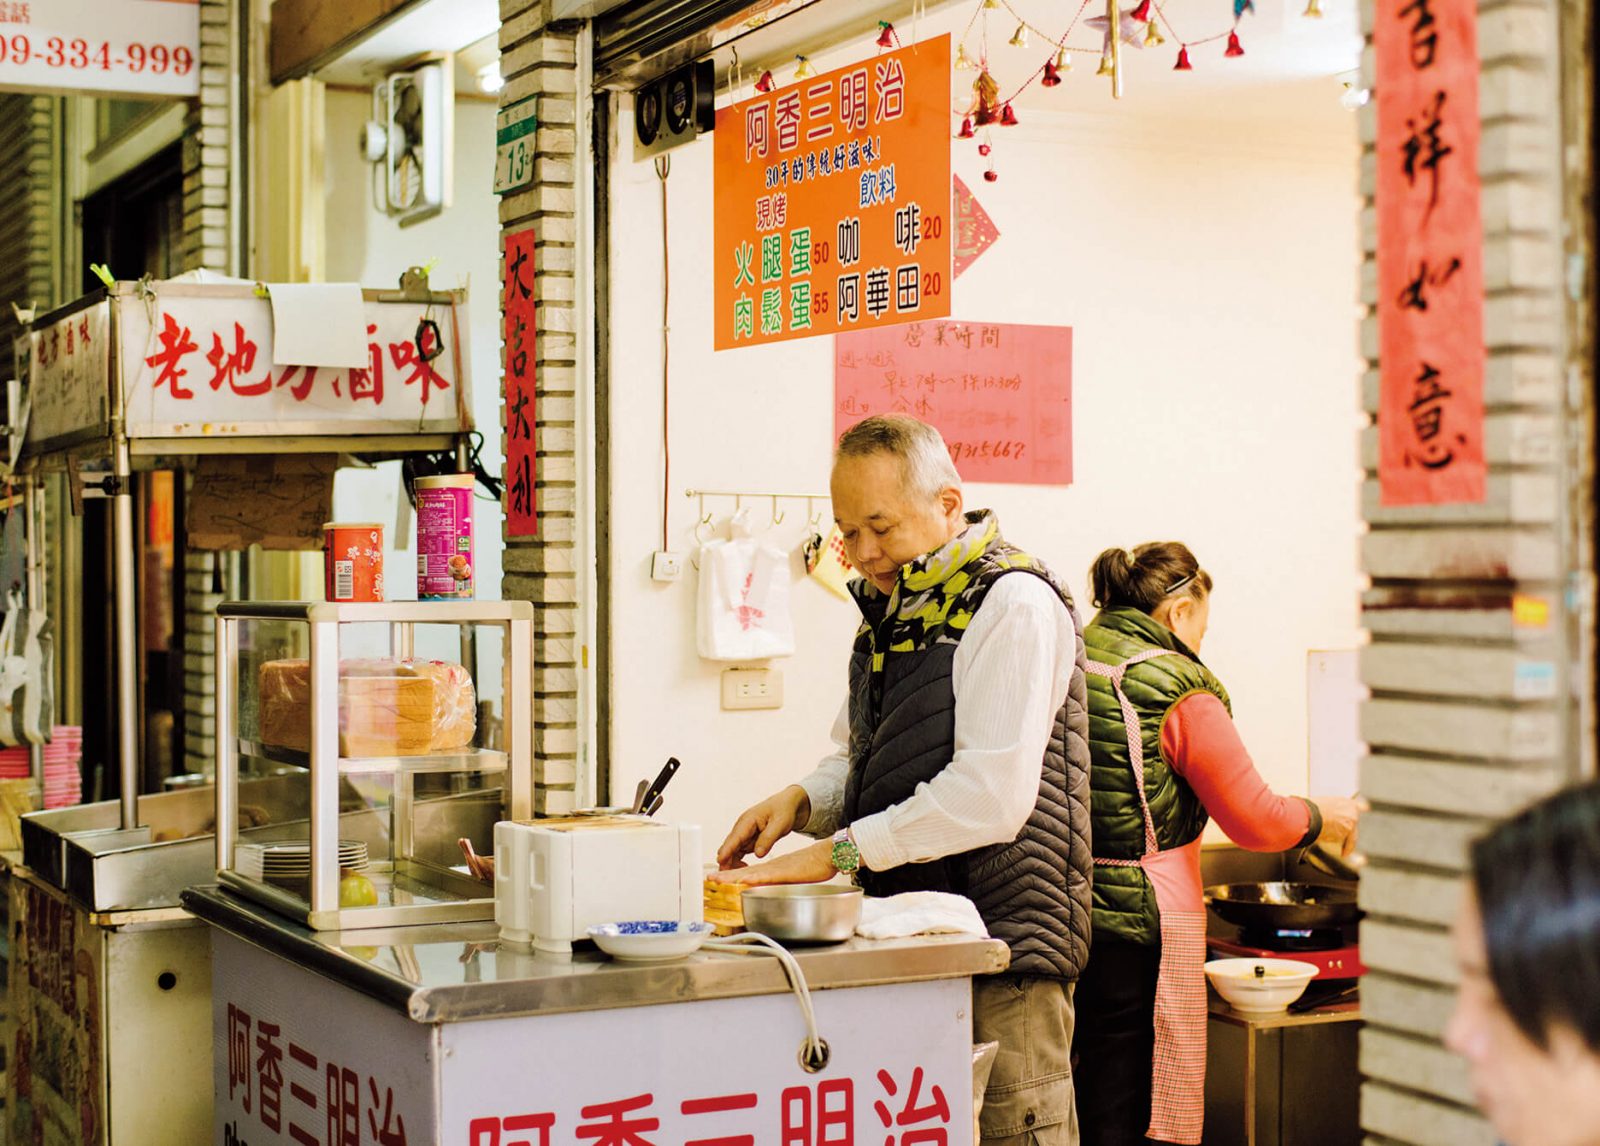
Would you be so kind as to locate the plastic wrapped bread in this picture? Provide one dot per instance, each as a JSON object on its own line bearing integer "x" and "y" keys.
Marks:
{"x": 386, "y": 707}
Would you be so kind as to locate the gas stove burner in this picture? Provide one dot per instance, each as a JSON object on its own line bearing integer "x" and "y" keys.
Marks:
{"x": 1284, "y": 939}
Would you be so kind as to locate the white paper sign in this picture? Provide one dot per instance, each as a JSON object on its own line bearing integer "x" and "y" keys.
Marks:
{"x": 318, "y": 324}
{"x": 67, "y": 386}
{"x": 207, "y": 365}
{"x": 131, "y": 47}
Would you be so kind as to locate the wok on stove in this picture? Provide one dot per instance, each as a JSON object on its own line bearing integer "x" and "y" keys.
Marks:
{"x": 1280, "y": 906}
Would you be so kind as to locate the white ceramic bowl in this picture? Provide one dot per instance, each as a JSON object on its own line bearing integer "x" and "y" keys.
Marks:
{"x": 1260, "y": 986}
{"x": 649, "y": 940}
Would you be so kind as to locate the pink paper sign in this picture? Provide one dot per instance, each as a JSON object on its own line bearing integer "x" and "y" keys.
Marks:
{"x": 1000, "y": 393}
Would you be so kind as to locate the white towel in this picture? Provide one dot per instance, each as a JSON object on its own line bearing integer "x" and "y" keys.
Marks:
{"x": 920, "y": 913}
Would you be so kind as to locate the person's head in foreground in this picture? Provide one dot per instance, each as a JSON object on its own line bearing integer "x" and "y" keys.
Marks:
{"x": 1527, "y": 1019}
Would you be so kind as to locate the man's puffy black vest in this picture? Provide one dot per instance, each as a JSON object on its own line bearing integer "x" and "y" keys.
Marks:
{"x": 1033, "y": 892}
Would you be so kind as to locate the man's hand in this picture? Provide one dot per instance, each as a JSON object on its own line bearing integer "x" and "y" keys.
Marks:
{"x": 808, "y": 865}
{"x": 1341, "y": 818}
{"x": 764, "y": 825}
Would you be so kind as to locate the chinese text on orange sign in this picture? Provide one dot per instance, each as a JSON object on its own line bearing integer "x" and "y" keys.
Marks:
{"x": 832, "y": 201}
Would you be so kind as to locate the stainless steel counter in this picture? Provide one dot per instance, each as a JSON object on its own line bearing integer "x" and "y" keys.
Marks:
{"x": 459, "y": 972}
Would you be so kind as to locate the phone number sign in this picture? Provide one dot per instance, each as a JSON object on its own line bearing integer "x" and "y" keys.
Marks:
{"x": 128, "y": 47}
{"x": 832, "y": 198}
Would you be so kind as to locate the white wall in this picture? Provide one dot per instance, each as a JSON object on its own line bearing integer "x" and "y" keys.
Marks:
{"x": 366, "y": 246}
{"x": 1207, "y": 262}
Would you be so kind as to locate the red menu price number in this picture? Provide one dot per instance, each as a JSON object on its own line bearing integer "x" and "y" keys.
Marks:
{"x": 22, "y": 50}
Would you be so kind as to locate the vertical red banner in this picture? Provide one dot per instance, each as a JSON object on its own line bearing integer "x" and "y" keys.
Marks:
{"x": 521, "y": 514}
{"x": 1430, "y": 254}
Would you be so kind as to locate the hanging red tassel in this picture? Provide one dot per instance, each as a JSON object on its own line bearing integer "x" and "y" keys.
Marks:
{"x": 886, "y": 33}
{"x": 1008, "y": 118}
{"x": 1183, "y": 64}
{"x": 1234, "y": 47}
{"x": 765, "y": 83}
{"x": 984, "y": 149}
{"x": 1142, "y": 12}
{"x": 1051, "y": 77}
{"x": 966, "y": 131}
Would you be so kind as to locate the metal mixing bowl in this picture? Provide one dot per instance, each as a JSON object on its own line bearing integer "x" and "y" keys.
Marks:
{"x": 803, "y": 913}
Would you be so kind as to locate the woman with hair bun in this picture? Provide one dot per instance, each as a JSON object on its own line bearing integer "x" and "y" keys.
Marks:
{"x": 1527, "y": 1017}
{"x": 1165, "y": 758}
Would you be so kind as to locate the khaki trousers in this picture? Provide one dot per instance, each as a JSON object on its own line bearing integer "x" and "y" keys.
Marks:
{"x": 1030, "y": 1100}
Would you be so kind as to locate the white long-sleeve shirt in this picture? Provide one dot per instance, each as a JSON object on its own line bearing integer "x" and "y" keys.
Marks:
{"x": 1010, "y": 674}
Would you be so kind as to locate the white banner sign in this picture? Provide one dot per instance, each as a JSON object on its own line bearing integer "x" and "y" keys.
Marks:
{"x": 331, "y": 1067}
{"x": 205, "y": 365}
{"x": 130, "y": 47}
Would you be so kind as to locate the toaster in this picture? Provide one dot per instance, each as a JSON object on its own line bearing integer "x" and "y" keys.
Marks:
{"x": 555, "y": 878}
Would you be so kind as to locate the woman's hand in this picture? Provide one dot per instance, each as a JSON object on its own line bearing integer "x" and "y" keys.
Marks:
{"x": 764, "y": 825}
{"x": 1341, "y": 817}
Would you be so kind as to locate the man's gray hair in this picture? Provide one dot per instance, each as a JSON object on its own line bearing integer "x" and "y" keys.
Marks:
{"x": 924, "y": 458}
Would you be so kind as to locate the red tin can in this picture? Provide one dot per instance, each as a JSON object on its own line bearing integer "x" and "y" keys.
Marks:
{"x": 352, "y": 561}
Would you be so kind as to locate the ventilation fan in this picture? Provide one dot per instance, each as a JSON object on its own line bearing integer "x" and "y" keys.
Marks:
{"x": 408, "y": 142}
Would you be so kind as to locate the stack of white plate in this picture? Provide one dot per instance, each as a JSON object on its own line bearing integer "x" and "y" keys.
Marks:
{"x": 288, "y": 862}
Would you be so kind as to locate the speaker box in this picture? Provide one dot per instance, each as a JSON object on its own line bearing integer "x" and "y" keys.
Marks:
{"x": 674, "y": 110}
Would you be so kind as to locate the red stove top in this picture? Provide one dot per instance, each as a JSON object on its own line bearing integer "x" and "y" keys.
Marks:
{"x": 1337, "y": 962}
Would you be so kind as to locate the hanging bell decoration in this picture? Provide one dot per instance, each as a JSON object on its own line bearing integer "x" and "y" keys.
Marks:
{"x": 1142, "y": 12}
{"x": 991, "y": 175}
{"x": 963, "y": 61}
{"x": 1008, "y": 118}
{"x": 1106, "y": 68}
{"x": 991, "y": 5}
{"x": 1183, "y": 64}
{"x": 1019, "y": 38}
{"x": 1234, "y": 47}
{"x": 766, "y": 83}
{"x": 804, "y": 70}
{"x": 1052, "y": 75}
{"x": 1152, "y": 35}
{"x": 966, "y": 131}
{"x": 1063, "y": 61}
{"x": 987, "y": 94}
{"x": 885, "y": 34}
{"x": 1313, "y": 10}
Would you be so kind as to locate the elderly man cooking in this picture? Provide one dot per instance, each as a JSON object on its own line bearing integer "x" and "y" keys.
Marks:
{"x": 962, "y": 757}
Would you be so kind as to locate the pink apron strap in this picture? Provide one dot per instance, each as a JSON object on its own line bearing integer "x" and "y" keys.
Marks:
{"x": 1178, "y": 1068}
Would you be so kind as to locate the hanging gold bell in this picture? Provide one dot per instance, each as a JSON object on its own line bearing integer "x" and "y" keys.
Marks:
{"x": 804, "y": 70}
{"x": 1107, "y": 68}
{"x": 1313, "y": 10}
{"x": 1063, "y": 61}
{"x": 963, "y": 61}
{"x": 1019, "y": 38}
{"x": 1153, "y": 37}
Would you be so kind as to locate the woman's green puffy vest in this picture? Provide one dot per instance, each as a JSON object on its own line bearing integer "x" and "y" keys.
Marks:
{"x": 1124, "y": 902}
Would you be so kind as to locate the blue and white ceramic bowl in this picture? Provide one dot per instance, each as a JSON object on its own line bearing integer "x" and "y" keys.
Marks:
{"x": 649, "y": 940}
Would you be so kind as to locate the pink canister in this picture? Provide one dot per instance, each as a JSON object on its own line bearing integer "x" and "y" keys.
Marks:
{"x": 444, "y": 537}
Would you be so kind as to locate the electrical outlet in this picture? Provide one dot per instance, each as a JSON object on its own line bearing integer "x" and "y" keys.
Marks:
{"x": 665, "y": 566}
{"x": 752, "y": 688}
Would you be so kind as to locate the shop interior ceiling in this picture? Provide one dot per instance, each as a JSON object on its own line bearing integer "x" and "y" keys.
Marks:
{"x": 646, "y": 39}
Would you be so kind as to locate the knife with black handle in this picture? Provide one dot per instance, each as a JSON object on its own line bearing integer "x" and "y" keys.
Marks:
{"x": 652, "y": 794}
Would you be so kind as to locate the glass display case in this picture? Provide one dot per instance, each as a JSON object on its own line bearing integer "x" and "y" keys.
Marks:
{"x": 386, "y": 715}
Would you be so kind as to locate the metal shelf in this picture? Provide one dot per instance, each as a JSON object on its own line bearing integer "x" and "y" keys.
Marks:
{"x": 465, "y": 760}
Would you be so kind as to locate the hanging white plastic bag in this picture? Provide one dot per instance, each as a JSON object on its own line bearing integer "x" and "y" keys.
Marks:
{"x": 27, "y": 700}
{"x": 744, "y": 598}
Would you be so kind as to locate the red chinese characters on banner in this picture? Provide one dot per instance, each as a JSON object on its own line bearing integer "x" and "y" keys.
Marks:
{"x": 342, "y": 1108}
{"x": 1430, "y": 254}
{"x": 832, "y": 201}
{"x": 906, "y": 1112}
{"x": 521, "y": 512}
{"x": 975, "y": 231}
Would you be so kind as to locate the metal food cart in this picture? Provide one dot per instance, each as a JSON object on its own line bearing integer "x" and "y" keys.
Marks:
{"x": 154, "y": 375}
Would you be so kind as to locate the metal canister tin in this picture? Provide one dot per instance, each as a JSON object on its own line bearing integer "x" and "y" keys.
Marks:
{"x": 444, "y": 538}
{"x": 352, "y": 561}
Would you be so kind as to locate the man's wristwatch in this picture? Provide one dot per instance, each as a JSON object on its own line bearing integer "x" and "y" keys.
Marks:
{"x": 846, "y": 856}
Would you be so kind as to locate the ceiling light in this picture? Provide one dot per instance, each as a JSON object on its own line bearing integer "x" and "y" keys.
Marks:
{"x": 489, "y": 78}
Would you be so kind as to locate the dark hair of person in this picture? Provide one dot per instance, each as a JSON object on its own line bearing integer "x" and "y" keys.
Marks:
{"x": 1537, "y": 880}
{"x": 1147, "y": 576}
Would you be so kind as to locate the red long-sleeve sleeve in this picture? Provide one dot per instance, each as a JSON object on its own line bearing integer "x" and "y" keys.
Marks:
{"x": 1204, "y": 747}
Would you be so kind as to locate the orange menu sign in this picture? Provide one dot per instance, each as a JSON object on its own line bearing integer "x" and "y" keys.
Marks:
{"x": 1430, "y": 254}
{"x": 833, "y": 201}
